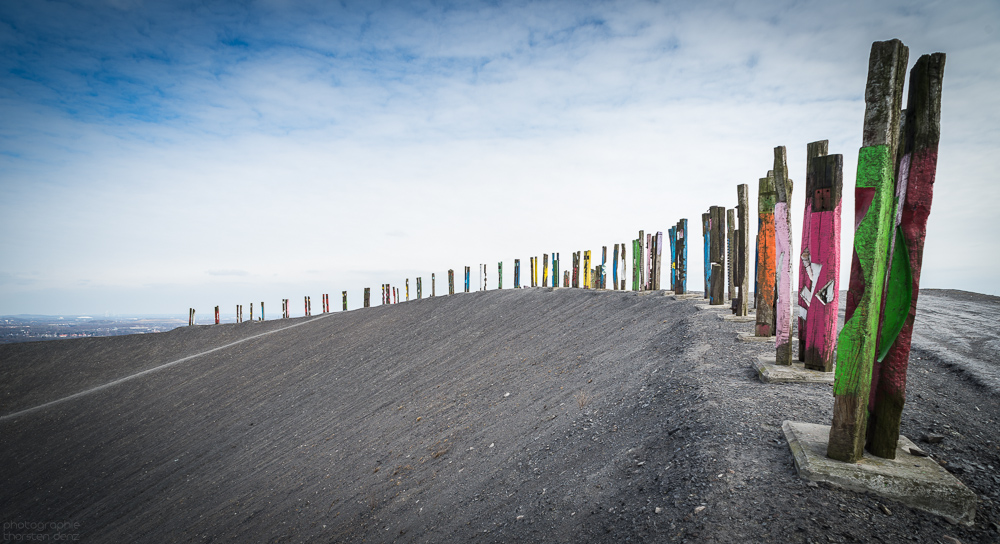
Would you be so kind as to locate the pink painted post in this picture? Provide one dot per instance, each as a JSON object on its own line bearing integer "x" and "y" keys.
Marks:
{"x": 783, "y": 258}
{"x": 819, "y": 271}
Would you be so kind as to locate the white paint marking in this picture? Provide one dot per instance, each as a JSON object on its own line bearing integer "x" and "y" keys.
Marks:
{"x": 147, "y": 371}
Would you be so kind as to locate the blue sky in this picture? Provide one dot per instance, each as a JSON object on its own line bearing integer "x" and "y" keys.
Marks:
{"x": 156, "y": 156}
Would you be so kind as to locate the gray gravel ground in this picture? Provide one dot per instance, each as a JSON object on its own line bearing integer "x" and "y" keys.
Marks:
{"x": 511, "y": 416}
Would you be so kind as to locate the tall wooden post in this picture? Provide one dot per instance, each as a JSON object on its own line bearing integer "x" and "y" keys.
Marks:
{"x": 743, "y": 249}
{"x": 262, "y": 310}
{"x": 190, "y": 317}
{"x": 500, "y": 275}
{"x": 604, "y": 263}
{"x": 566, "y": 278}
{"x": 819, "y": 259}
{"x": 657, "y": 259}
{"x": 766, "y": 275}
{"x": 706, "y": 235}
{"x": 251, "y": 312}
{"x": 368, "y": 293}
{"x": 420, "y": 288}
{"x": 680, "y": 287}
{"x": 576, "y": 269}
{"x": 216, "y": 315}
{"x": 731, "y": 253}
{"x": 874, "y": 192}
{"x": 305, "y": 304}
{"x": 636, "y": 264}
{"x": 344, "y": 294}
{"x": 624, "y": 267}
{"x": 586, "y": 270}
{"x": 545, "y": 270}
{"x": 467, "y": 272}
{"x": 433, "y": 285}
{"x": 918, "y": 168}
{"x": 783, "y": 257}
{"x": 517, "y": 273}
{"x": 672, "y": 237}
{"x": 647, "y": 269}
{"x": 614, "y": 270}
{"x": 717, "y": 254}
{"x": 640, "y": 262}
{"x": 407, "y": 288}
{"x": 451, "y": 282}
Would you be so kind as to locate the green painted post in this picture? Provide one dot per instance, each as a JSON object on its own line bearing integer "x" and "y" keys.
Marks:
{"x": 874, "y": 192}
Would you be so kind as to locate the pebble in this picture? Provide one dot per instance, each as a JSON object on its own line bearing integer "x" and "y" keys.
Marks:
{"x": 885, "y": 509}
{"x": 658, "y": 510}
{"x": 699, "y": 509}
{"x": 918, "y": 452}
{"x": 932, "y": 438}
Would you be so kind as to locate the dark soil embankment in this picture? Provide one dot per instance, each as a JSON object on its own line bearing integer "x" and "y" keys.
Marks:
{"x": 531, "y": 415}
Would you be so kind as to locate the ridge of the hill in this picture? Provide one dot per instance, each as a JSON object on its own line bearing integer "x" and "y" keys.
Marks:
{"x": 519, "y": 415}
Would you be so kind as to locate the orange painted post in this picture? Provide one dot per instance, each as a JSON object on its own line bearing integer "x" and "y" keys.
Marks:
{"x": 216, "y": 315}
{"x": 766, "y": 275}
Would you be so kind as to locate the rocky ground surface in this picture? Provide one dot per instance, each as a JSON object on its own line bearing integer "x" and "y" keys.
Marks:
{"x": 500, "y": 416}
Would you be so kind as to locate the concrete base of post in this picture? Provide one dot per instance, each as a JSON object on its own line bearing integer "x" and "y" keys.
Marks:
{"x": 688, "y": 296}
{"x": 768, "y": 372}
{"x": 916, "y": 481}
{"x": 750, "y": 337}
{"x": 738, "y": 318}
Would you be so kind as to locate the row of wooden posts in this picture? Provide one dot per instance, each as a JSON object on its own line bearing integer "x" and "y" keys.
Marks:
{"x": 897, "y": 164}
{"x": 894, "y": 186}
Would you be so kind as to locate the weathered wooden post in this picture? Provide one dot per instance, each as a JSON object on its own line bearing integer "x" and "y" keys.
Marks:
{"x": 717, "y": 254}
{"x": 262, "y": 310}
{"x": 874, "y": 192}
{"x": 636, "y": 264}
{"x": 658, "y": 260}
{"x": 383, "y": 294}
{"x": 743, "y": 249}
{"x": 604, "y": 271}
{"x": 587, "y": 273}
{"x": 420, "y": 288}
{"x": 647, "y": 269}
{"x": 576, "y": 269}
{"x": 368, "y": 294}
{"x": 500, "y": 275}
{"x": 614, "y": 270}
{"x": 766, "y": 269}
{"x": 624, "y": 267}
{"x": 190, "y": 317}
{"x": 545, "y": 270}
{"x": 566, "y": 278}
{"x": 783, "y": 256}
{"x": 216, "y": 315}
{"x": 705, "y": 222}
{"x": 517, "y": 273}
{"x": 344, "y": 293}
{"x": 407, "y": 288}
{"x": 819, "y": 260}
{"x": 251, "y": 312}
{"x": 731, "y": 253}
{"x": 917, "y": 170}
{"x": 451, "y": 281}
{"x": 682, "y": 257}
{"x": 239, "y": 313}
{"x": 433, "y": 285}
{"x": 467, "y": 272}
{"x": 305, "y": 304}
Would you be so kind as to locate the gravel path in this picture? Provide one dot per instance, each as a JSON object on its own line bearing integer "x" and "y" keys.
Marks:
{"x": 529, "y": 415}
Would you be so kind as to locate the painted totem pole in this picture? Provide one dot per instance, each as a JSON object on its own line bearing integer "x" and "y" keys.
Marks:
{"x": 680, "y": 286}
{"x": 766, "y": 270}
{"x": 555, "y": 270}
{"x": 716, "y": 255}
{"x": 783, "y": 257}
{"x": 648, "y": 283}
{"x": 420, "y": 288}
{"x": 467, "y": 273}
{"x": 344, "y": 294}
{"x": 819, "y": 262}
{"x": 545, "y": 270}
{"x": 637, "y": 264}
{"x": 624, "y": 266}
{"x": 706, "y": 222}
{"x": 604, "y": 269}
{"x": 873, "y": 194}
{"x": 586, "y": 270}
{"x": 614, "y": 270}
{"x": 657, "y": 259}
{"x": 915, "y": 190}
{"x": 576, "y": 269}
{"x": 500, "y": 275}
{"x": 517, "y": 273}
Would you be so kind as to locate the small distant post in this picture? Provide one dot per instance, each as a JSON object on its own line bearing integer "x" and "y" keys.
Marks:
{"x": 467, "y": 272}
{"x": 305, "y": 302}
{"x": 517, "y": 273}
{"x": 433, "y": 283}
{"x": 216, "y": 315}
{"x": 658, "y": 259}
{"x": 420, "y": 288}
{"x": 648, "y": 269}
{"x": 407, "y": 288}
{"x": 672, "y": 234}
{"x": 682, "y": 257}
{"x": 555, "y": 270}
{"x": 262, "y": 310}
{"x": 368, "y": 294}
{"x": 566, "y": 278}
{"x": 614, "y": 270}
{"x": 624, "y": 266}
{"x": 545, "y": 270}
{"x": 190, "y": 316}
{"x": 500, "y": 275}
{"x": 239, "y": 313}
{"x": 251, "y": 312}
{"x": 345, "y": 300}
{"x": 451, "y": 281}
{"x": 586, "y": 270}
{"x": 637, "y": 263}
